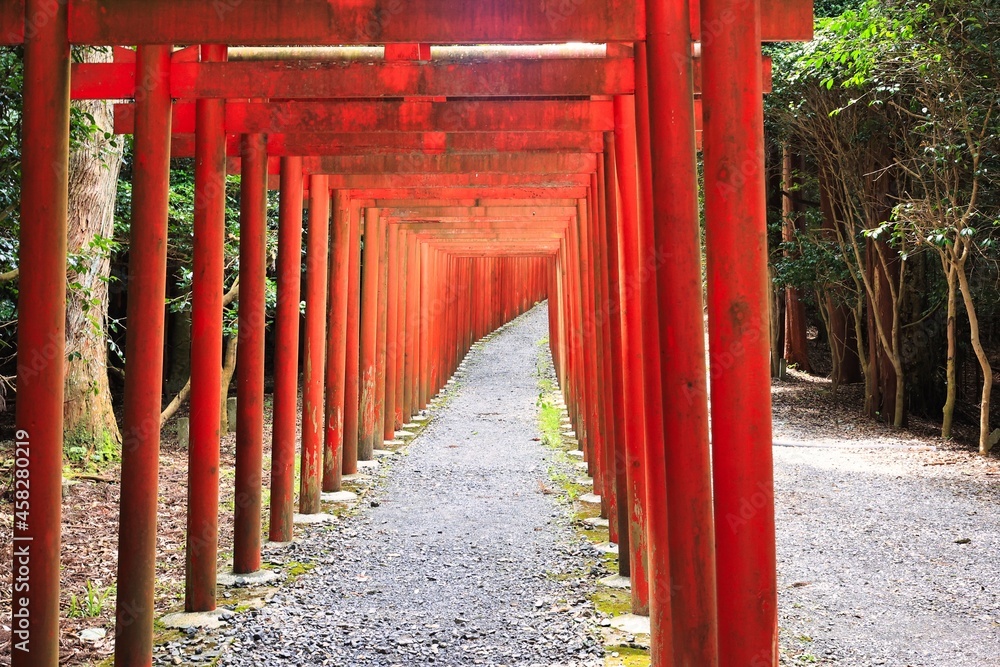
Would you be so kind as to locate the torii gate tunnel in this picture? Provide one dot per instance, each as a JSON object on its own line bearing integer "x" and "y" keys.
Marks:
{"x": 558, "y": 163}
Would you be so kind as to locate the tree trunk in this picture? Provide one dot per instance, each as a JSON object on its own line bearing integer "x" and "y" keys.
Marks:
{"x": 984, "y": 362}
{"x": 796, "y": 340}
{"x": 228, "y": 370}
{"x": 777, "y": 361}
{"x": 948, "y": 416}
{"x": 843, "y": 339}
{"x": 179, "y": 347}
{"x": 885, "y": 362}
{"x": 93, "y": 179}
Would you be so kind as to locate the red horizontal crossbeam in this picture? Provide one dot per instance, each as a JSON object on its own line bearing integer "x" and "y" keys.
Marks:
{"x": 417, "y": 163}
{"x": 305, "y": 80}
{"x": 301, "y": 79}
{"x": 482, "y": 179}
{"x": 441, "y": 143}
{"x": 471, "y": 224}
{"x": 471, "y": 193}
{"x": 780, "y": 21}
{"x": 545, "y": 165}
{"x": 417, "y": 212}
{"x": 529, "y": 248}
{"x": 322, "y": 22}
{"x": 379, "y": 116}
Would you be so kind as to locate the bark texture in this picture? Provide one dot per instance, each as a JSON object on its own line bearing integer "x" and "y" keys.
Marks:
{"x": 93, "y": 180}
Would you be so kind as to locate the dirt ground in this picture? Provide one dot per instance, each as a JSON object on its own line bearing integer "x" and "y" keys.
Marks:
{"x": 90, "y": 544}
{"x": 887, "y": 540}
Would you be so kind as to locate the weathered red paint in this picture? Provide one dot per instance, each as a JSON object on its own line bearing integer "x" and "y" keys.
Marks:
{"x": 657, "y": 526}
{"x": 286, "y": 352}
{"x": 352, "y": 384}
{"x": 633, "y": 282}
{"x": 391, "y": 345}
{"x": 303, "y": 79}
{"x": 736, "y": 251}
{"x": 336, "y": 361}
{"x": 262, "y": 22}
{"x": 144, "y": 359}
{"x": 314, "y": 353}
{"x": 41, "y": 333}
{"x": 369, "y": 336}
{"x": 250, "y": 356}
{"x": 616, "y": 426}
{"x": 381, "y": 335}
{"x": 394, "y": 116}
{"x": 431, "y": 143}
{"x": 206, "y": 351}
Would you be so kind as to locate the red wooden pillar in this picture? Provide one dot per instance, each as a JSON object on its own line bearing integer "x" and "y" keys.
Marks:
{"x": 351, "y": 384}
{"x": 581, "y": 337}
{"x": 313, "y": 376}
{"x": 682, "y": 335}
{"x": 425, "y": 299}
{"x": 286, "y": 351}
{"x": 634, "y": 281}
{"x": 41, "y": 336}
{"x": 206, "y": 347}
{"x": 598, "y": 316}
{"x": 616, "y": 408}
{"x": 736, "y": 249}
{"x": 657, "y": 526}
{"x": 410, "y": 316}
{"x": 369, "y": 337}
{"x": 391, "y": 346}
{"x": 381, "y": 336}
{"x": 144, "y": 359}
{"x": 250, "y": 354}
{"x": 403, "y": 256}
{"x": 434, "y": 324}
{"x": 336, "y": 360}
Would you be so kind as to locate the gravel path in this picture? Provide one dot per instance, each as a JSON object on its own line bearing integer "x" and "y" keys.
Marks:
{"x": 456, "y": 561}
{"x": 886, "y": 555}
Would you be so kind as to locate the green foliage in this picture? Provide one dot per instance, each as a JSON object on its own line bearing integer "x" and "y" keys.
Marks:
{"x": 181, "y": 207}
{"x": 549, "y": 419}
{"x": 91, "y": 603}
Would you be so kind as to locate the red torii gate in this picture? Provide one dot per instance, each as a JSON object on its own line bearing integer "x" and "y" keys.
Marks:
{"x": 741, "y": 435}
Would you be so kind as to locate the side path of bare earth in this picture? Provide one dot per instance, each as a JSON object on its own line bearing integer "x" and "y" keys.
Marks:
{"x": 888, "y": 544}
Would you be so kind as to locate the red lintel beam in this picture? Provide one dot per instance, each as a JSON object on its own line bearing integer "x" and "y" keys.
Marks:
{"x": 312, "y": 80}
{"x": 483, "y": 179}
{"x": 307, "y": 79}
{"x": 380, "y": 143}
{"x": 384, "y": 116}
{"x": 484, "y": 207}
{"x": 780, "y": 21}
{"x": 491, "y": 232}
{"x": 486, "y": 231}
{"x": 498, "y": 163}
{"x": 527, "y": 193}
{"x": 321, "y": 22}
{"x": 467, "y": 225}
